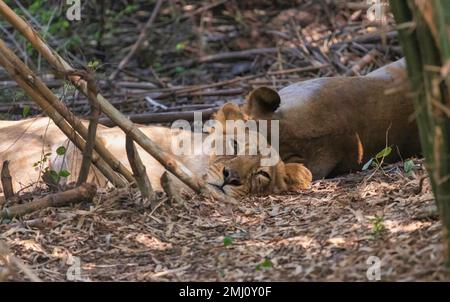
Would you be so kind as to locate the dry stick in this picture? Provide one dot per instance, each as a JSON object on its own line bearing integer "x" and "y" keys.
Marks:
{"x": 85, "y": 192}
{"x": 232, "y": 55}
{"x": 139, "y": 41}
{"x": 5, "y": 253}
{"x": 59, "y": 121}
{"x": 364, "y": 61}
{"x": 126, "y": 125}
{"x": 139, "y": 171}
{"x": 171, "y": 190}
{"x": 6, "y": 181}
{"x": 164, "y": 117}
{"x": 92, "y": 130}
{"x": 61, "y": 108}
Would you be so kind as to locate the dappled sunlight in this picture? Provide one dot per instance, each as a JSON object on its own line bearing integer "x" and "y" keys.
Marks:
{"x": 152, "y": 242}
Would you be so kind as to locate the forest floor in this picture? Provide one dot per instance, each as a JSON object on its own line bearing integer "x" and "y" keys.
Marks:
{"x": 327, "y": 233}
{"x": 196, "y": 59}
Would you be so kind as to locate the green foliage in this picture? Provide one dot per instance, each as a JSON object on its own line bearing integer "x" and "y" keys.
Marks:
{"x": 93, "y": 65}
{"x": 378, "y": 227}
{"x": 408, "y": 167}
{"x": 377, "y": 161}
{"x": 61, "y": 150}
{"x": 227, "y": 241}
{"x": 25, "y": 111}
{"x": 55, "y": 175}
{"x": 266, "y": 264}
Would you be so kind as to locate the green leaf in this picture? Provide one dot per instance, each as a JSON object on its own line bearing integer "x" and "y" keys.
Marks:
{"x": 384, "y": 153}
{"x": 180, "y": 69}
{"x": 180, "y": 46}
{"x": 26, "y": 111}
{"x": 408, "y": 166}
{"x": 265, "y": 264}
{"x": 61, "y": 150}
{"x": 64, "y": 173}
{"x": 54, "y": 175}
{"x": 227, "y": 241}
{"x": 367, "y": 165}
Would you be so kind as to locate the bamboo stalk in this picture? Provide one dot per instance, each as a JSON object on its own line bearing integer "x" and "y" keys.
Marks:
{"x": 427, "y": 49}
{"x": 75, "y": 122}
{"x": 139, "y": 171}
{"x": 60, "y": 121}
{"x": 178, "y": 169}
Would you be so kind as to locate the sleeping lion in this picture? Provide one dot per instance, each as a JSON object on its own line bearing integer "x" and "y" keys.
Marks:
{"x": 26, "y": 144}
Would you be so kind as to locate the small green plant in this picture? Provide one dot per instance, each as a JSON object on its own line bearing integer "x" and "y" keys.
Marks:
{"x": 93, "y": 65}
{"x": 227, "y": 241}
{"x": 408, "y": 167}
{"x": 55, "y": 175}
{"x": 266, "y": 264}
{"x": 378, "y": 160}
{"x": 378, "y": 227}
{"x": 180, "y": 46}
{"x": 25, "y": 111}
{"x": 179, "y": 69}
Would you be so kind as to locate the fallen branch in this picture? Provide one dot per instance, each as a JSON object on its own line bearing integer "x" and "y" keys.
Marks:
{"x": 163, "y": 117}
{"x": 85, "y": 192}
{"x": 232, "y": 55}
{"x": 139, "y": 41}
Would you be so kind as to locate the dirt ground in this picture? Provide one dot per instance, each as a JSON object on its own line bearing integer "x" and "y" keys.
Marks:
{"x": 327, "y": 233}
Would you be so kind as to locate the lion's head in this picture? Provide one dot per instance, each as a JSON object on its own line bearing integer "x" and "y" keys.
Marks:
{"x": 243, "y": 169}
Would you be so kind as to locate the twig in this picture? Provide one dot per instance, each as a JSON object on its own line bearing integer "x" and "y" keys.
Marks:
{"x": 139, "y": 41}
{"x": 163, "y": 117}
{"x": 139, "y": 172}
{"x": 92, "y": 130}
{"x": 364, "y": 61}
{"x": 6, "y": 180}
{"x": 170, "y": 189}
{"x": 233, "y": 55}
{"x": 85, "y": 192}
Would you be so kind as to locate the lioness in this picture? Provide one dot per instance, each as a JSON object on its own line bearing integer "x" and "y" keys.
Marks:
{"x": 25, "y": 144}
{"x": 335, "y": 125}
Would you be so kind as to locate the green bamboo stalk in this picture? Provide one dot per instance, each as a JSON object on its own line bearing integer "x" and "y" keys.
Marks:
{"x": 427, "y": 49}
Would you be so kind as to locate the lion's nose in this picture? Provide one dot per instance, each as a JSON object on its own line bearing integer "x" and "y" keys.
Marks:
{"x": 231, "y": 177}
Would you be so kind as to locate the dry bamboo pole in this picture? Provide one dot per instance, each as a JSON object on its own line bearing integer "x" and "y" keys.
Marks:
{"x": 139, "y": 171}
{"x": 165, "y": 159}
{"x": 59, "y": 121}
{"x": 59, "y": 106}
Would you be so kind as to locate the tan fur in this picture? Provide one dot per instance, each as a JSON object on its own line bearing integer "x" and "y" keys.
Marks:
{"x": 335, "y": 125}
{"x": 23, "y": 143}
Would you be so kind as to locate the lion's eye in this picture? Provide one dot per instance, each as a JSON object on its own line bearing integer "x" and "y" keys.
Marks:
{"x": 264, "y": 173}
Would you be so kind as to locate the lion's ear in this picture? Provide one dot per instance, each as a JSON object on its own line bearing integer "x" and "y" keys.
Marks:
{"x": 262, "y": 102}
{"x": 229, "y": 112}
{"x": 298, "y": 177}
